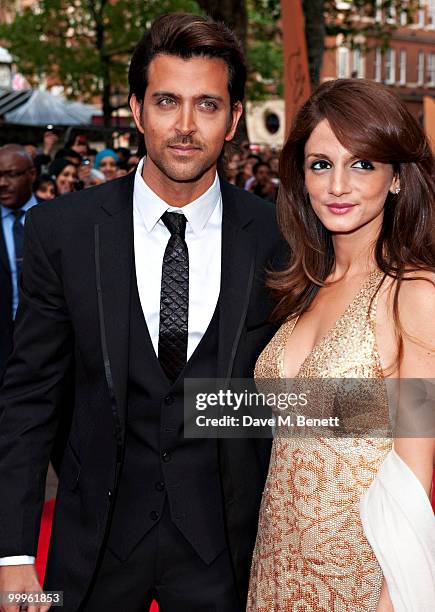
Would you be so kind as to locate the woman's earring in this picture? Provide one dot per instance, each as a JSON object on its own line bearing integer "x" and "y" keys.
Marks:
{"x": 397, "y": 190}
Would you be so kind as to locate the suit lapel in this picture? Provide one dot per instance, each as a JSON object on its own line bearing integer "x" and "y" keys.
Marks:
{"x": 114, "y": 266}
{"x": 237, "y": 272}
{"x": 4, "y": 260}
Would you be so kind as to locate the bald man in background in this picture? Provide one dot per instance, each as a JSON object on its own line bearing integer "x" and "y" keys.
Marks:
{"x": 17, "y": 174}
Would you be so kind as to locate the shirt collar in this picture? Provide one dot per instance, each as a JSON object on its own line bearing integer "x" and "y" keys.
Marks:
{"x": 32, "y": 201}
{"x": 151, "y": 207}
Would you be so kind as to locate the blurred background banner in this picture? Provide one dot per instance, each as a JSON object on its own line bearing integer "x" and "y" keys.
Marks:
{"x": 429, "y": 119}
{"x": 296, "y": 73}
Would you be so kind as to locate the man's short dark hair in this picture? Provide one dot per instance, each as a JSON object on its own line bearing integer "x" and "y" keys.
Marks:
{"x": 258, "y": 165}
{"x": 188, "y": 36}
{"x": 68, "y": 153}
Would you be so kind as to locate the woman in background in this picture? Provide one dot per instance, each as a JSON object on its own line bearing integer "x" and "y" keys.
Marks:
{"x": 65, "y": 174}
{"x": 107, "y": 162}
{"x": 357, "y": 301}
{"x": 45, "y": 187}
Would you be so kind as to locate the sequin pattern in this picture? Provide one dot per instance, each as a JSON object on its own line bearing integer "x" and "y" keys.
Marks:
{"x": 311, "y": 554}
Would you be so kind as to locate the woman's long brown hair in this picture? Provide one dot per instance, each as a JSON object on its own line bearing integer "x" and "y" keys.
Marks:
{"x": 372, "y": 124}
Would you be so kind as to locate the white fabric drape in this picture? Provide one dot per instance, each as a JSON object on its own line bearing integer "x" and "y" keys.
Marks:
{"x": 399, "y": 523}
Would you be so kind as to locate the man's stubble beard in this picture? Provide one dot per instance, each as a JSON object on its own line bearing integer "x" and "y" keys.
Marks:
{"x": 188, "y": 172}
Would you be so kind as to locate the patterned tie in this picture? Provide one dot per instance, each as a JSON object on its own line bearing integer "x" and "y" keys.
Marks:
{"x": 174, "y": 298}
{"x": 18, "y": 233}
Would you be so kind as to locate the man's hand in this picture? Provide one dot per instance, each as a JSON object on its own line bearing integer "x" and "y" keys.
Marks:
{"x": 20, "y": 579}
{"x": 85, "y": 173}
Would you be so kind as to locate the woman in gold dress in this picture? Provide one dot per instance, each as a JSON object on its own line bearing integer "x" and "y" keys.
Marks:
{"x": 358, "y": 301}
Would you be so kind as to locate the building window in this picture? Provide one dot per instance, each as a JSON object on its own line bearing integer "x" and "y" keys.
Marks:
{"x": 431, "y": 13}
{"x": 342, "y": 62}
{"x": 402, "y": 72}
{"x": 378, "y": 64}
{"x": 421, "y": 15}
{"x": 431, "y": 70}
{"x": 390, "y": 66}
{"x": 378, "y": 13}
{"x": 357, "y": 64}
{"x": 391, "y": 13}
{"x": 420, "y": 69}
{"x": 403, "y": 14}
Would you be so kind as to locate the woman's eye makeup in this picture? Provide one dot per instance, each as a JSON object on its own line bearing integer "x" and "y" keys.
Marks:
{"x": 323, "y": 164}
{"x": 363, "y": 164}
{"x": 320, "y": 164}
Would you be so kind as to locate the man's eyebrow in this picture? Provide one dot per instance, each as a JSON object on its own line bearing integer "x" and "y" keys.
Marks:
{"x": 210, "y": 97}
{"x": 15, "y": 168}
{"x": 203, "y": 96}
{"x": 169, "y": 94}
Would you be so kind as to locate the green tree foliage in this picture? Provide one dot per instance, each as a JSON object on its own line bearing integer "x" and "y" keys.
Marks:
{"x": 232, "y": 12}
{"x": 264, "y": 49}
{"x": 85, "y": 43}
{"x": 342, "y": 18}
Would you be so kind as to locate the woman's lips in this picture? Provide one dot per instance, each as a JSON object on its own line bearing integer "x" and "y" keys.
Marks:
{"x": 340, "y": 209}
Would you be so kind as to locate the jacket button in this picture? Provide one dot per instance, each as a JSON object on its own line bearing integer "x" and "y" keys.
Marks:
{"x": 166, "y": 456}
{"x": 109, "y": 493}
{"x": 169, "y": 399}
{"x": 159, "y": 486}
{"x": 154, "y": 515}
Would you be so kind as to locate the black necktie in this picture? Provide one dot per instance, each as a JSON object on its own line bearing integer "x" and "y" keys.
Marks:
{"x": 18, "y": 233}
{"x": 174, "y": 298}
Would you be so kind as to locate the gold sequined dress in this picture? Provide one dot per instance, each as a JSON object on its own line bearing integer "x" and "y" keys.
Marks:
{"x": 311, "y": 553}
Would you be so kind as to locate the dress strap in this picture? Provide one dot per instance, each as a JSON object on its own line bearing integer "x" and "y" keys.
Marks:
{"x": 372, "y": 295}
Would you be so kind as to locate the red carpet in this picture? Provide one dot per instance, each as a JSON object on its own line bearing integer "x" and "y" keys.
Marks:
{"x": 44, "y": 539}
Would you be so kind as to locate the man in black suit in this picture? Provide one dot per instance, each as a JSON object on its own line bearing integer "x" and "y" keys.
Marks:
{"x": 17, "y": 175}
{"x": 128, "y": 289}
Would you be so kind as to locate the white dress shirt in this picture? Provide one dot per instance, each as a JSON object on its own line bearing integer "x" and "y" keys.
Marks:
{"x": 204, "y": 243}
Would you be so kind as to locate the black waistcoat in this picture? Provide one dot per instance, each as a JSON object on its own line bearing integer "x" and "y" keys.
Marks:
{"x": 159, "y": 463}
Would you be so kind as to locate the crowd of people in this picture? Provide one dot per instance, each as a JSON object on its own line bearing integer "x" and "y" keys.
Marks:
{"x": 77, "y": 165}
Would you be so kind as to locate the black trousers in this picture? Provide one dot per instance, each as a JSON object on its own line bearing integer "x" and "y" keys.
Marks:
{"x": 164, "y": 567}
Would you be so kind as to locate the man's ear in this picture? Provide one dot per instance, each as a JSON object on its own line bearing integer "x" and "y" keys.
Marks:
{"x": 136, "y": 109}
{"x": 236, "y": 113}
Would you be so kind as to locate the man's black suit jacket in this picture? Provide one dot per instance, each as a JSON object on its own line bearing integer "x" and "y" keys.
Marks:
{"x": 71, "y": 346}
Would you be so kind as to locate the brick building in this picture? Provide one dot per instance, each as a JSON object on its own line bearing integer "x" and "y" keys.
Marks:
{"x": 408, "y": 65}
